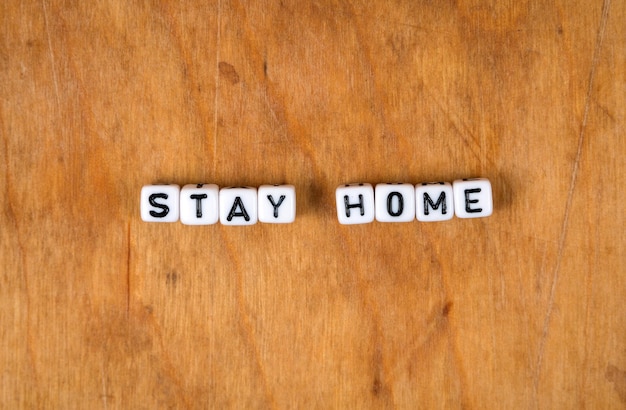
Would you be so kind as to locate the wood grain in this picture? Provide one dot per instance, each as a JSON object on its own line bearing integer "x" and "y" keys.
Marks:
{"x": 524, "y": 309}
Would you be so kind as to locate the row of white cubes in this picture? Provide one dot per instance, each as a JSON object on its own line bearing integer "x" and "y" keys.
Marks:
{"x": 426, "y": 202}
{"x": 205, "y": 204}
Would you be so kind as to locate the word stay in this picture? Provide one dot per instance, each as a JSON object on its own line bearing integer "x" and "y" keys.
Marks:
{"x": 206, "y": 204}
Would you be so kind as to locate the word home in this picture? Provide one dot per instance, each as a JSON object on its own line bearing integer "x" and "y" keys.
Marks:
{"x": 206, "y": 204}
{"x": 426, "y": 202}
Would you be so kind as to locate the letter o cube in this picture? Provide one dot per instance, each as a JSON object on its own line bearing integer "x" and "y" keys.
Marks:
{"x": 395, "y": 202}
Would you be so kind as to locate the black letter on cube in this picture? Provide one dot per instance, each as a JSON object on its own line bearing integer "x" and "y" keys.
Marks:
{"x": 349, "y": 205}
{"x": 400, "y": 203}
{"x": 441, "y": 201}
{"x": 198, "y": 198}
{"x": 469, "y": 201}
{"x": 165, "y": 208}
{"x": 233, "y": 213}
{"x": 280, "y": 201}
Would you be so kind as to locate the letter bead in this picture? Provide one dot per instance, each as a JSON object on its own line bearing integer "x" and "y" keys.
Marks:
{"x": 160, "y": 203}
{"x": 472, "y": 198}
{"x": 199, "y": 204}
{"x": 434, "y": 201}
{"x": 395, "y": 202}
{"x": 238, "y": 206}
{"x": 355, "y": 204}
{"x": 277, "y": 204}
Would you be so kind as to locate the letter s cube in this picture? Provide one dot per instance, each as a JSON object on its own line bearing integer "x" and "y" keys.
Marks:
{"x": 160, "y": 203}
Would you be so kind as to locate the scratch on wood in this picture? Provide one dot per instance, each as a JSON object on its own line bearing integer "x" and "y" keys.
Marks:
{"x": 217, "y": 82}
{"x": 104, "y": 394}
{"x": 22, "y": 260}
{"x": 128, "y": 271}
{"x": 581, "y": 136}
{"x": 284, "y": 132}
{"x": 525, "y": 319}
{"x": 246, "y": 323}
{"x": 492, "y": 316}
{"x": 380, "y": 388}
{"x": 374, "y": 99}
{"x": 54, "y": 71}
{"x": 463, "y": 130}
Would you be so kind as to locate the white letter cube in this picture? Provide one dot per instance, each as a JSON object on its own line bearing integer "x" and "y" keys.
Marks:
{"x": 277, "y": 204}
{"x": 355, "y": 204}
{"x": 395, "y": 202}
{"x": 435, "y": 201}
{"x": 238, "y": 206}
{"x": 199, "y": 204}
{"x": 160, "y": 203}
{"x": 472, "y": 198}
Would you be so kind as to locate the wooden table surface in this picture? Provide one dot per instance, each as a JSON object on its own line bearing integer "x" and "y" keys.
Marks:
{"x": 523, "y": 309}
